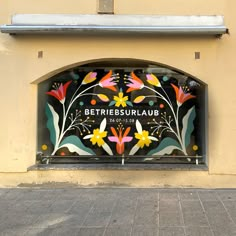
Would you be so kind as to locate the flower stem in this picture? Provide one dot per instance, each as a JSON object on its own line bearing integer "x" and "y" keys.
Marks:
{"x": 62, "y": 128}
{"x": 178, "y": 132}
{"x": 81, "y": 93}
{"x": 178, "y": 136}
{"x": 65, "y": 114}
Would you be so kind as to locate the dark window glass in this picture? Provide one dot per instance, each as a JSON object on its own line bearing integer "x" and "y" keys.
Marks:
{"x": 143, "y": 114}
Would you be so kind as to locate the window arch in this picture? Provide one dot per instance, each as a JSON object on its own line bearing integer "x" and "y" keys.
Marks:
{"x": 127, "y": 109}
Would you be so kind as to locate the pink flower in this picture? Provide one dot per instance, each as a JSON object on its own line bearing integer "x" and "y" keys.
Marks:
{"x": 60, "y": 93}
{"x": 181, "y": 97}
{"x": 108, "y": 81}
{"x": 120, "y": 139}
{"x": 135, "y": 83}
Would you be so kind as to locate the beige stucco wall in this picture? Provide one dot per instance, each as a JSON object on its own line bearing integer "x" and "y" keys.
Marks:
{"x": 21, "y": 70}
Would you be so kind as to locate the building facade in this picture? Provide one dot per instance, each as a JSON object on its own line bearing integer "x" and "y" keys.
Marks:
{"x": 118, "y": 93}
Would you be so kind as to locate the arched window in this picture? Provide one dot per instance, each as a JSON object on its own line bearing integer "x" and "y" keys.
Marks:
{"x": 122, "y": 109}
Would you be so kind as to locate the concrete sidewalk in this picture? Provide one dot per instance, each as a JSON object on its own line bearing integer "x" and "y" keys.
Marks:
{"x": 117, "y": 211}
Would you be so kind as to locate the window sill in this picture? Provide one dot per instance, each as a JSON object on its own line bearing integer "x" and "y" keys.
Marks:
{"x": 103, "y": 166}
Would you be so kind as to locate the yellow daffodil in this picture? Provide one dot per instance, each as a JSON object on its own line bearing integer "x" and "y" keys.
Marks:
{"x": 143, "y": 138}
{"x": 98, "y": 136}
{"x": 120, "y": 100}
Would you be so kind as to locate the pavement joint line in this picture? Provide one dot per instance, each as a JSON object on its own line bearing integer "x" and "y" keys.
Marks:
{"x": 204, "y": 210}
{"x": 108, "y": 222}
{"x": 132, "y": 225}
{"x": 158, "y": 211}
{"x": 181, "y": 213}
{"x": 90, "y": 209}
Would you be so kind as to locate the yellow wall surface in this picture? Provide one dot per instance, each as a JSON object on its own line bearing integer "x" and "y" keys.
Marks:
{"x": 21, "y": 70}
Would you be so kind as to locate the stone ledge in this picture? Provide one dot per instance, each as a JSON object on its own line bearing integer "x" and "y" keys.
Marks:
{"x": 103, "y": 166}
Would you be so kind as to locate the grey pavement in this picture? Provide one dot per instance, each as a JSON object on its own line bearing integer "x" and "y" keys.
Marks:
{"x": 117, "y": 211}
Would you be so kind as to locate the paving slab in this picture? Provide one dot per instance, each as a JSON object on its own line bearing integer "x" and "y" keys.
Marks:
{"x": 168, "y": 194}
{"x": 198, "y": 231}
{"x": 192, "y": 218}
{"x": 208, "y": 195}
{"x": 170, "y": 219}
{"x": 123, "y": 230}
{"x": 139, "y": 230}
{"x": 91, "y": 231}
{"x": 171, "y": 231}
{"x": 171, "y": 205}
{"x": 97, "y": 219}
{"x": 189, "y": 195}
{"x": 227, "y": 194}
{"x": 191, "y": 206}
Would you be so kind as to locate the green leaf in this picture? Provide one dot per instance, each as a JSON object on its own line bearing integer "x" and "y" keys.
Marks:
{"x": 52, "y": 123}
{"x": 166, "y": 146}
{"x": 188, "y": 126}
{"x": 74, "y": 144}
{"x": 112, "y": 103}
{"x": 129, "y": 103}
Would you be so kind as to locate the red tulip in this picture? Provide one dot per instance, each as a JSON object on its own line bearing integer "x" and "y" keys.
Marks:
{"x": 181, "y": 97}
{"x": 60, "y": 92}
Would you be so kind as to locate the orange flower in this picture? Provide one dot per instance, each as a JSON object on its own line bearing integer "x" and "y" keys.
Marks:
{"x": 120, "y": 139}
{"x": 181, "y": 97}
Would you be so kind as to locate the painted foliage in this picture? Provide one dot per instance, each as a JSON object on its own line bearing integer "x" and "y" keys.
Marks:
{"x": 118, "y": 113}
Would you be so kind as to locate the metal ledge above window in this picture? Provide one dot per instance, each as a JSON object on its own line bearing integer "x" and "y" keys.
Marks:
{"x": 115, "y": 24}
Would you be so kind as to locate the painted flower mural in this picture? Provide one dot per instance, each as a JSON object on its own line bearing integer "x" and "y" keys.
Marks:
{"x": 87, "y": 115}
